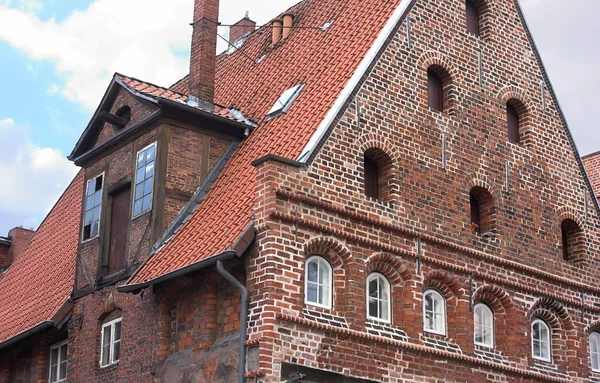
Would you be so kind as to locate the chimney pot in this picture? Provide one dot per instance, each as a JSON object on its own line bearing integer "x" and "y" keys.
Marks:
{"x": 241, "y": 28}
{"x": 288, "y": 22}
{"x": 277, "y": 26}
{"x": 203, "y": 54}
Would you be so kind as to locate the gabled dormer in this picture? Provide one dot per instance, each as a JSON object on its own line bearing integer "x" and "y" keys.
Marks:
{"x": 145, "y": 152}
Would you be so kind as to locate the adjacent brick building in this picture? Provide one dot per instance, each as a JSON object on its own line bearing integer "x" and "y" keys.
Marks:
{"x": 388, "y": 189}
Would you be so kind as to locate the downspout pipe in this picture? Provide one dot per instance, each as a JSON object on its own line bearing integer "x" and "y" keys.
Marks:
{"x": 243, "y": 318}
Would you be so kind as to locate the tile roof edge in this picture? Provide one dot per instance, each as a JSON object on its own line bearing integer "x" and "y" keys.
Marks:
{"x": 191, "y": 206}
{"x": 354, "y": 81}
{"x": 591, "y": 155}
{"x": 237, "y": 249}
{"x": 561, "y": 114}
{"x": 27, "y": 333}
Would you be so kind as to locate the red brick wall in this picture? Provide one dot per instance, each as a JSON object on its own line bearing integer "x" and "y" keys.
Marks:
{"x": 519, "y": 272}
{"x": 592, "y": 165}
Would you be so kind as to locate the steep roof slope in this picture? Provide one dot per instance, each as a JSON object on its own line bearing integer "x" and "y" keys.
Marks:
{"x": 37, "y": 286}
{"x": 592, "y": 166}
{"x": 324, "y": 60}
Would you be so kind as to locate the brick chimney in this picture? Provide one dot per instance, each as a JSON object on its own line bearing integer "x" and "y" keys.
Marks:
{"x": 204, "y": 50}
{"x": 12, "y": 246}
{"x": 241, "y": 28}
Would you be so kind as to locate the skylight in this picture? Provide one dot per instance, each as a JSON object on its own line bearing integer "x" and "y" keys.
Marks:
{"x": 285, "y": 101}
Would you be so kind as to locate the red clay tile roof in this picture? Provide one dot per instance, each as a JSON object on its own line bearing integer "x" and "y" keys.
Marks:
{"x": 40, "y": 281}
{"x": 592, "y": 166}
{"x": 154, "y": 91}
{"x": 324, "y": 61}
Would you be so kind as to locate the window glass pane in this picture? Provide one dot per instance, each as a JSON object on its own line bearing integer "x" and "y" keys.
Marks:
{"x": 150, "y": 170}
{"x": 96, "y": 214}
{"x": 596, "y": 361}
{"x": 311, "y": 292}
{"x": 594, "y": 342}
{"x": 91, "y": 186}
{"x": 323, "y": 274}
{"x": 141, "y": 159}
{"x": 428, "y": 302}
{"x": 63, "y": 353}
{"x": 94, "y": 230}
{"x": 313, "y": 271}
{"x": 324, "y": 295}
{"x": 139, "y": 192}
{"x": 151, "y": 153}
{"x": 89, "y": 202}
{"x": 429, "y": 321}
{"x": 139, "y": 175}
{"x": 137, "y": 207}
{"x": 53, "y": 373}
{"x": 54, "y": 357}
{"x": 63, "y": 370}
{"x": 146, "y": 202}
{"x": 148, "y": 186}
{"x": 116, "y": 351}
{"x": 98, "y": 198}
{"x": 384, "y": 310}
{"x": 117, "y": 335}
{"x": 373, "y": 288}
{"x": 373, "y": 312}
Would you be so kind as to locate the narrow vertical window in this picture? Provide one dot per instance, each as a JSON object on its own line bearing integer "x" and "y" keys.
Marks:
{"x": 378, "y": 298}
{"x": 475, "y": 214}
{"x": 318, "y": 282}
{"x": 371, "y": 178}
{"x": 565, "y": 240}
{"x": 144, "y": 180}
{"x": 434, "y": 312}
{"x": 93, "y": 207}
{"x": 573, "y": 241}
{"x": 595, "y": 351}
{"x": 435, "y": 91}
{"x": 540, "y": 340}
{"x": 473, "y": 22}
{"x": 58, "y": 363}
{"x": 512, "y": 118}
{"x": 484, "y": 325}
{"x": 110, "y": 346}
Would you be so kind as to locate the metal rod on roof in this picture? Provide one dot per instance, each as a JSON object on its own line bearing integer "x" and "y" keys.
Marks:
{"x": 237, "y": 49}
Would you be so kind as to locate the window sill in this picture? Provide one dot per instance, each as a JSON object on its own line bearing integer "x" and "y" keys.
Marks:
{"x": 85, "y": 241}
{"x": 135, "y": 217}
{"x": 112, "y": 278}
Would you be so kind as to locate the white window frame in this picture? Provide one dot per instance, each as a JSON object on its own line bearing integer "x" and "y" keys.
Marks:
{"x": 87, "y": 184}
{"x": 386, "y": 286}
{"x": 549, "y": 346}
{"x": 133, "y": 214}
{"x": 487, "y": 310}
{"x": 436, "y": 294}
{"x": 112, "y": 342}
{"x": 595, "y": 355}
{"x": 321, "y": 262}
{"x": 57, "y": 346}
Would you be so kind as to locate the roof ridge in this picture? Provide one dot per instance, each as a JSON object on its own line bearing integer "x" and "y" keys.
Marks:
{"x": 123, "y": 76}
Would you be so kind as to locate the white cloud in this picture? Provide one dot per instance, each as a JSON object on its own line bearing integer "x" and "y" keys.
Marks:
{"x": 32, "y": 177}
{"x": 139, "y": 38}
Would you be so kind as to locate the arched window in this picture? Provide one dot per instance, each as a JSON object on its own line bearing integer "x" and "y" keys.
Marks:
{"x": 378, "y": 298}
{"x": 473, "y": 18}
{"x": 481, "y": 204}
{"x": 317, "y": 289}
{"x": 371, "y": 177}
{"x": 434, "y": 312}
{"x": 512, "y": 118}
{"x": 573, "y": 241}
{"x": 540, "y": 340}
{"x": 484, "y": 325}
{"x": 435, "y": 90}
{"x": 595, "y": 351}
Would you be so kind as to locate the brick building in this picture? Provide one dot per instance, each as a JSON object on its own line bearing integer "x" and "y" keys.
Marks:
{"x": 359, "y": 191}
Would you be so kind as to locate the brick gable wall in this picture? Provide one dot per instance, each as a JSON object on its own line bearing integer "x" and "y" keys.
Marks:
{"x": 321, "y": 210}
{"x": 592, "y": 165}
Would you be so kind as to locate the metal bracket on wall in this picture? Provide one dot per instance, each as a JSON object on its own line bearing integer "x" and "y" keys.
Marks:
{"x": 295, "y": 378}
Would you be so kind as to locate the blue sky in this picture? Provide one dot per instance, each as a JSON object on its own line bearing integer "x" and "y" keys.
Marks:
{"x": 57, "y": 57}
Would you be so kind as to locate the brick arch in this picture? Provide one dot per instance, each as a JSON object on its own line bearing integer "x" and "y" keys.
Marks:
{"x": 443, "y": 282}
{"x": 386, "y": 157}
{"x": 112, "y": 312}
{"x": 592, "y": 327}
{"x": 555, "y": 315}
{"x": 435, "y": 58}
{"x": 566, "y": 212}
{"x": 512, "y": 92}
{"x": 390, "y": 266}
{"x": 374, "y": 141}
{"x": 495, "y": 297}
{"x": 482, "y": 181}
{"x": 328, "y": 247}
{"x": 523, "y": 104}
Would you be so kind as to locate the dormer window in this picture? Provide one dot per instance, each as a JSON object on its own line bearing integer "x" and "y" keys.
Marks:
{"x": 285, "y": 101}
{"x": 93, "y": 207}
{"x": 144, "y": 180}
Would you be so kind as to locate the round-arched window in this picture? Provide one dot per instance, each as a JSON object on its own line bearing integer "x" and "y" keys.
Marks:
{"x": 434, "y": 312}
{"x": 378, "y": 298}
{"x": 484, "y": 325}
{"x": 318, "y": 278}
{"x": 540, "y": 340}
{"x": 595, "y": 351}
